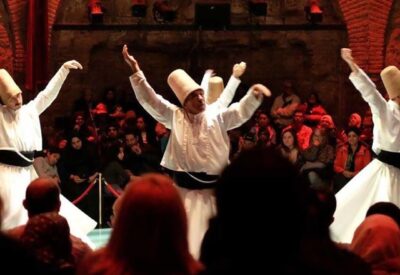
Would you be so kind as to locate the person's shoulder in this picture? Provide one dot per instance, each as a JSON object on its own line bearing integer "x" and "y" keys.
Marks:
{"x": 296, "y": 97}
{"x": 351, "y": 263}
{"x": 15, "y": 254}
{"x": 15, "y": 232}
{"x": 79, "y": 247}
{"x": 364, "y": 147}
{"x": 342, "y": 147}
{"x": 306, "y": 128}
{"x": 39, "y": 159}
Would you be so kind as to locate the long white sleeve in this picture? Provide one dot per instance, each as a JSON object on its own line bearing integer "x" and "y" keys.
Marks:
{"x": 239, "y": 112}
{"x": 227, "y": 94}
{"x": 49, "y": 94}
{"x": 368, "y": 91}
{"x": 158, "y": 107}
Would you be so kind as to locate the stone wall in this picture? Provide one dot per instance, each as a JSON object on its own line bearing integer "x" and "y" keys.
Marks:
{"x": 309, "y": 56}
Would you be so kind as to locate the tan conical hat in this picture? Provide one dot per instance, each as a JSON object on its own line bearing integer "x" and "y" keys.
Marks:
{"x": 391, "y": 80}
{"x": 215, "y": 88}
{"x": 182, "y": 84}
{"x": 8, "y": 87}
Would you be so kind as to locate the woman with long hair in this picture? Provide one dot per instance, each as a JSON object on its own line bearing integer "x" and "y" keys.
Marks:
{"x": 149, "y": 234}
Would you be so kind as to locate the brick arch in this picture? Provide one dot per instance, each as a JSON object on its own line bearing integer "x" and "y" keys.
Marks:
{"x": 366, "y": 22}
{"x": 52, "y": 8}
{"x": 17, "y": 12}
{"x": 6, "y": 53}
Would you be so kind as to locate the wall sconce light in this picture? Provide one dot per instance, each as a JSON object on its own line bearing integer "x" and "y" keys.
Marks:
{"x": 313, "y": 12}
{"x": 163, "y": 12}
{"x": 139, "y": 8}
{"x": 95, "y": 11}
{"x": 258, "y": 7}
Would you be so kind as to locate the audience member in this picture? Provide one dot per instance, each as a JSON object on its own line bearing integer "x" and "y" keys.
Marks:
{"x": 47, "y": 236}
{"x": 149, "y": 234}
{"x": 377, "y": 241}
{"x": 43, "y": 196}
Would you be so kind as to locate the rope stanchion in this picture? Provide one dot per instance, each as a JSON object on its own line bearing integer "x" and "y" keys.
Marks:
{"x": 109, "y": 187}
{"x": 100, "y": 201}
{"x": 84, "y": 193}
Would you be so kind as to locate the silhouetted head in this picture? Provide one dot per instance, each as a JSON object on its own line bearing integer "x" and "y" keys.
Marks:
{"x": 150, "y": 230}
{"x": 385, "y": 208}
{"x": 261, "y": 203}
{"x": 42, "y": 195}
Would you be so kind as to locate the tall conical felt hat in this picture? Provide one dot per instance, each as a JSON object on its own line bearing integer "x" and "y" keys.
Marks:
{"x": 215, "y": 88}
{"x": 8, "y": 87}
{"x": 391, "y": 80}
{"x": 182, "y": 84}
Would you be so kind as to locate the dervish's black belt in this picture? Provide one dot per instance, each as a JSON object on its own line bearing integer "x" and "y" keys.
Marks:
{"x": 195, "y": 181}
{"x": 14, "y": 158}
{"x": 391, "y": 158}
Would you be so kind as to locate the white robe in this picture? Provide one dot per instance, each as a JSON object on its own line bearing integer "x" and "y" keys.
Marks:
{"x": 378, "y": 181}
{"x": 199, "y": 144}
{"x": 21, "y": 130}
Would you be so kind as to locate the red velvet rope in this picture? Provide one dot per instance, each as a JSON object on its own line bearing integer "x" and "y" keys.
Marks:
{"x": 112, "y": 190}
{"x": 84, "y": 194}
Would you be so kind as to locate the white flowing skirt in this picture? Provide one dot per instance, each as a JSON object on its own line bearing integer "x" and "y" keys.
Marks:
{"x": 13, "y": 184}
{"x": 377, "y": 182}
{"x": 200, "y": 206}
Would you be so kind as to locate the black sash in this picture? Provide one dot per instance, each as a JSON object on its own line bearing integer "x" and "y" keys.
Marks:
{"x": 11, "y": 157}
{"x": 194, "y": 181}
{"x": 391, "y": 158}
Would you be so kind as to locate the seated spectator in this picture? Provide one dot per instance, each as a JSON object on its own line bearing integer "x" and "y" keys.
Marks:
{"x": 81, "y": 166}
{"x": 149, "y": 234}
{"x": 350, "y": 159}
{"x": 284, "y": 105}
{"x": 328, "y": 124}
{"x": 318, "y": 160}
{"x": 367, "y": 127}
{"x": 101, "y": 119}
{"x": 354, "y": 122}
{"x": 81, "y": 127}
{"x": 146, "y": 137}
{"x": 85, "y": 103}
{"x": 46, "y": 166}
{"x": 265, "y": 133}
{"x": 162, "y": 136}
{"x": 128, "y": 124}
{"x": 114, "y": 174}
{"x": 313, "y": 110}
{"x": 289, "y": 148}
{"x": 135, "y": 161}
{"x": 109, "y": 99}
{"x": 118, "y": 114}
{"x": 302, "y": 131}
